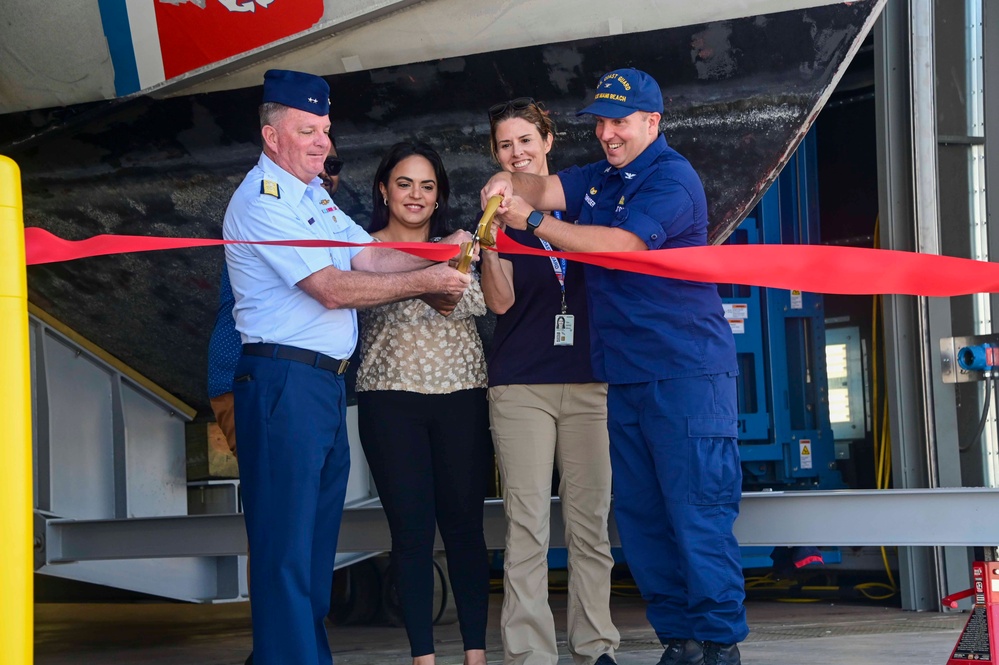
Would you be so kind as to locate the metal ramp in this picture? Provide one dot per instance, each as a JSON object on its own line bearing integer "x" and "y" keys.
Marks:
{"x": 109, "y": 448}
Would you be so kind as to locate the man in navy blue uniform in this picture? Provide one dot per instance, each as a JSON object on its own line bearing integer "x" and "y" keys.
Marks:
{"x": 295, "y": 313}
{"x": 668, "y": 355}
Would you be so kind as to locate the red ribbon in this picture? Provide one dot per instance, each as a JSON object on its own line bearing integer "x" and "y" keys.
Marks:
{"x": 813, "y": 268}
{"x": 40, "y": 246}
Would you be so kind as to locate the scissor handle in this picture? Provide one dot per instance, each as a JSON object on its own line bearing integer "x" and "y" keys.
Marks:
{"x": 483, "y": 234}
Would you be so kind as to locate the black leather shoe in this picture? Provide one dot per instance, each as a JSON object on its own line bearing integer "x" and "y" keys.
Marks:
{"x": 681, "y": 651}
{"x": 605, "y": 660}
{"x": 721, "y": 654}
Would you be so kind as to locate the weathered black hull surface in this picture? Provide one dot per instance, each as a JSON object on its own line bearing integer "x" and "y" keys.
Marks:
{"x": 739, "y": 96}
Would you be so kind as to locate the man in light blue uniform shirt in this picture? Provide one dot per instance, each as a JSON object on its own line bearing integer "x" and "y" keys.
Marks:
{"x": 225, "y": 345}
{"x": 295, "y": 315}
{"x": 668, "y": 355}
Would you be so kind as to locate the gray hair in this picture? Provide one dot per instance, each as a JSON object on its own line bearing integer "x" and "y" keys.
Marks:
{"x": 270, "y": 113}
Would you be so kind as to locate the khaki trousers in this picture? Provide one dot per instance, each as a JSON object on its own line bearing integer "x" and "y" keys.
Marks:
{"x": 535, "y": 427}
{"x": 225, "y": 417}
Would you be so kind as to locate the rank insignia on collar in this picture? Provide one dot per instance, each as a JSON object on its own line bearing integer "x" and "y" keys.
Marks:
{"x": 629, "y": 176}
{"x": 621, "y": 202}
{"x": 324, "y": 202}
{"x": 270, "y": 187}
{"x": 593, "y": 191}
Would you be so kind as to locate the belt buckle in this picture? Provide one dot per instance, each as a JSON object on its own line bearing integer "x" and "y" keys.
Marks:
{"x": 344, "y": 364}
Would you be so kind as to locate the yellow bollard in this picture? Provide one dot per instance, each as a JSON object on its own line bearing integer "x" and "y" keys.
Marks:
{"x": 16, "y": 531}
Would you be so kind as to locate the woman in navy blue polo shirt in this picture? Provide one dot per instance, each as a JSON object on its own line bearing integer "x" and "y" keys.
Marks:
{"x": 546, "y": 411}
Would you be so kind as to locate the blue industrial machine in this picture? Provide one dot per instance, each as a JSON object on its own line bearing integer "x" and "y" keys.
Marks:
{"x": 785, "y": 438}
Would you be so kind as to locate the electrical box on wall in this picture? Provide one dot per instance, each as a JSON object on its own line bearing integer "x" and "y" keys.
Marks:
{"x": 969, "y": 358}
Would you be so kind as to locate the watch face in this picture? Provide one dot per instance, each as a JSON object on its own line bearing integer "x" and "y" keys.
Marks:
{"x": 534, "y": 220}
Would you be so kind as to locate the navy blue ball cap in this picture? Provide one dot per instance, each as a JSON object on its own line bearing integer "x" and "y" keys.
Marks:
{"x": 624, "y": 91}
{"x": 298, "y": 90}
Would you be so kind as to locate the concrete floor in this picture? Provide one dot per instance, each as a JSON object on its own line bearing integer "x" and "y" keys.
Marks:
{"x": 820, "y": 633}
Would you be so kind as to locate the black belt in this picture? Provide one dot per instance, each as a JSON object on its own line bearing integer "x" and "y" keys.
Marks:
{"x": 284, "y": 352}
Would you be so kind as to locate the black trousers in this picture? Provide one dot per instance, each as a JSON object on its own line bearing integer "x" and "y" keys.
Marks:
{"x": 430, "y": 457}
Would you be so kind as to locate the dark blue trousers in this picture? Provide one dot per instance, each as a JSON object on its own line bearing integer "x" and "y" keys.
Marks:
{"x": 294, "y": 458}
{"x": 677, "y": 486}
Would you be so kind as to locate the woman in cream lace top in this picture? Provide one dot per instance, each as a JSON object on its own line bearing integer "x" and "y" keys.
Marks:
{"x": 423, "y": 416}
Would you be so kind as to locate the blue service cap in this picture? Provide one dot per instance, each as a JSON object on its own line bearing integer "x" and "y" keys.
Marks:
{"x": 624, "y": 91}
{"x": 298, "y": 90}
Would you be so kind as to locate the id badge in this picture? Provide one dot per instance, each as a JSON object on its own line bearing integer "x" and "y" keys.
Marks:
{"x": 564, "y": 326}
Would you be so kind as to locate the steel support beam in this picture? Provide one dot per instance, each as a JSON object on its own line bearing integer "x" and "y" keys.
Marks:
{"x": 893, "y": 103}
{"x": 923, "y": 414}
{"x": 957, "y": 516}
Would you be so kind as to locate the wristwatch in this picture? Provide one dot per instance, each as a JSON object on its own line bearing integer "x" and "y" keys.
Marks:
{"x": 534, "y": 220}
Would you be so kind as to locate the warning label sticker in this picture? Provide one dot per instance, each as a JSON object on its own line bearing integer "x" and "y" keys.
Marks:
{"x": 805, "y": 452}
{"x": 736, "y": 314}
{"x": 736, "y": 310}
{"x": 974, "y": 642}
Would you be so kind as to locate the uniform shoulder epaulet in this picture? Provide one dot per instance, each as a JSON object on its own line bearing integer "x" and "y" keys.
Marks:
{"x": 270, "y": 187}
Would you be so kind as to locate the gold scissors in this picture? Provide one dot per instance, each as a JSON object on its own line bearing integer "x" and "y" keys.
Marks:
{"x": 484, "y": 234}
